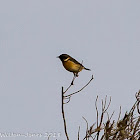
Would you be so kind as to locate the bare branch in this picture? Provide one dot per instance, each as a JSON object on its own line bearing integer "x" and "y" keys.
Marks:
{"x": 86, "y": 129}
{"x": 108, "y": 105}
{"x": 119, "y": 114}
{"x": 70, "y": 84}
{"x": 97, "y": 110}
{"x": 137, "y": 95}
{"x": 63, "y": 114}
{"x": 67, "y": 101}
{"x": 79, "y": 133}
{"x": 81, "y": 88}
{"x": 111, "y": 115}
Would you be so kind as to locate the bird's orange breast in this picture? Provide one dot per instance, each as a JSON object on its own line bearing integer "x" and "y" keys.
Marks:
{"x": 72, "y": 67}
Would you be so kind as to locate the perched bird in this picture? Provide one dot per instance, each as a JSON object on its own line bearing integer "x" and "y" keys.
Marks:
{"x": 71, "y": 64}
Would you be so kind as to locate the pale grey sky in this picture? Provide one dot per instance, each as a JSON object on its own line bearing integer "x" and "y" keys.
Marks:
{"x": 104, "y": 34}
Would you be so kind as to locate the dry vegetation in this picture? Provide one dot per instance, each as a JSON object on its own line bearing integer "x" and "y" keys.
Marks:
{"x": 126, "y": 128}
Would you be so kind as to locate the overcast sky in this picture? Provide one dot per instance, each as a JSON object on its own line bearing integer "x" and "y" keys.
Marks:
{"x": 105, "y": 35}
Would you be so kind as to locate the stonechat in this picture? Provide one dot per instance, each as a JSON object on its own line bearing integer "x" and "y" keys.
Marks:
{"x": 71, "y": 64}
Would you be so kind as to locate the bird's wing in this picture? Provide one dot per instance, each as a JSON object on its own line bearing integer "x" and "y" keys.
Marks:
{"x": 75, "y": 61}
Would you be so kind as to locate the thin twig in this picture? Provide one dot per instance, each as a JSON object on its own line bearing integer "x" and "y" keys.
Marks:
{"x": 79, "y": 133}
{"x": 119, "y": 114}
{"x": 104, "y": 109}
{"x": 108, "y": 105}
{"x": 111, "y": 115}
{"x": 97, "y": 110}
{"x": 81, "y": 88}
{"x": 67, "y": 101}
{"x": 70, "y": 84}
{"x": 136, "y": 126}
{"x": 87, "y": 129}
{"x": 137, "y": 95}
{"x": 63, "y": 114}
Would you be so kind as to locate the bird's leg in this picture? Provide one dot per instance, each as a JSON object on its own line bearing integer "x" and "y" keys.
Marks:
{"x": 75, "y": 75}
{"x": 72, "y": 80}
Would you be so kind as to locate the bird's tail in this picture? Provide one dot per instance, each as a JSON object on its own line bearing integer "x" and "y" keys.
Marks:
{"x": 86, "y": 68}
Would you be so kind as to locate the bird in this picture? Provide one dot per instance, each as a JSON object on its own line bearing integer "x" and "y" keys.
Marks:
{"x": 71, "y": 65}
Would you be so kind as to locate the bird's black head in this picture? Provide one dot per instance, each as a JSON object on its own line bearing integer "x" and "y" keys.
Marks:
{"x": 63, "y": 57}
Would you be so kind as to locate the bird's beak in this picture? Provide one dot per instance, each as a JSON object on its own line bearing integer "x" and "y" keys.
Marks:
{"x": 57, "y": 57}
